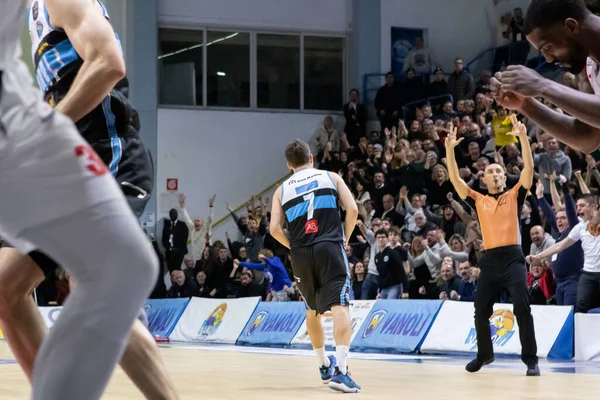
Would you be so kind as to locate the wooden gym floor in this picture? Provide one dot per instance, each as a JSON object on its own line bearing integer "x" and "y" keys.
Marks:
{"x": 233, "y": 373}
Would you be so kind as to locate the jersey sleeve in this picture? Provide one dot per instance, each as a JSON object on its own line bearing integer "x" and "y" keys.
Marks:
{"x": 474, "y": 195}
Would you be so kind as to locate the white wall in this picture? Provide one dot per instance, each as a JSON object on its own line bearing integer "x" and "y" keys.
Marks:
{"x": 232, "y": 154}
{"x": 307, "y": 15}
{"x": 461, "y": 28}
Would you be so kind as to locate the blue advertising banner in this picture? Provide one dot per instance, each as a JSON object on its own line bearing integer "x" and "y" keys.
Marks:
{"x": 273, "y": 323}
{"x": 398, "y": 325}
{"x": 163, "y": 315}
{"x": 403, "y": 41}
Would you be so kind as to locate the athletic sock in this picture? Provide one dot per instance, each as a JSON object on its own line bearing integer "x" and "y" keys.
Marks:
{"x": 322, "y": 357}
{"x": 341, "y": 353}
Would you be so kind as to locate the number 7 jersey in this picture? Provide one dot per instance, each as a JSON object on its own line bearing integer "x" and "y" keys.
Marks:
{"x": 310, "y": 201}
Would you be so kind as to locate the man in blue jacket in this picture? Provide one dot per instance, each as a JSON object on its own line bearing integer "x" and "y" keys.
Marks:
{"x": 273, "y": 266}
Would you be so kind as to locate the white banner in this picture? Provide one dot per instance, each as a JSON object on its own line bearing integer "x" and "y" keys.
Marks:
{"x": 587, "y": 341}
{"x": 359, "y": 309}
{"x": 50, "y": 314}
{"x": 214, "y": 320}
{"x": 454, "y": 328}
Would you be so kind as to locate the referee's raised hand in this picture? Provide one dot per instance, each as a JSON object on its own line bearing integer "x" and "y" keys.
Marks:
{"x": 451, "y": 141}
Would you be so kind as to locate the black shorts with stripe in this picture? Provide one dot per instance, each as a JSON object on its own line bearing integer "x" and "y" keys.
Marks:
{"x": 131, "y": 164}
{"x": 323, "y": 275}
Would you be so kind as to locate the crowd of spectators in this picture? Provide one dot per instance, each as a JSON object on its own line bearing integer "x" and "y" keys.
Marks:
{"x": 414, "y": 238}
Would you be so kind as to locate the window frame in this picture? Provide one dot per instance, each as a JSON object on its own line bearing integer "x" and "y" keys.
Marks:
{"x": 253, "y": 67}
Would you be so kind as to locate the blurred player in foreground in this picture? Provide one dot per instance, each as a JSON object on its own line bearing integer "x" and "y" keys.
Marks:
{"x": 58, "y": 197}
{"x": 78, "y": 63}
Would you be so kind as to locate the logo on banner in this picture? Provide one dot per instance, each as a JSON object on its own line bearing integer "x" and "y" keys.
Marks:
{"x": 53, "y": 314}
{"x": 212, "y": 323}
{"x": 259, "y": 319}
{"x": 374, "y": 322}
{"x": 502, "y": 323}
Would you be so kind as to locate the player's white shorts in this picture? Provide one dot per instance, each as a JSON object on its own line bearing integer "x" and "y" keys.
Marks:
{"x": 47, "y": 170}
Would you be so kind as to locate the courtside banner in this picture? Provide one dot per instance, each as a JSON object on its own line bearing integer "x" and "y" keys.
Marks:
{"x": 214, "y": 320}
{"x": 49, "y": 315}
{"x": 273, "y": 323}
{"x": 398, "y": 325}
{"x": 587, "y": 340}
{"x": 163, "y": 315}
{"x": 454, "y": 330}
{"x": 359, "y": 309}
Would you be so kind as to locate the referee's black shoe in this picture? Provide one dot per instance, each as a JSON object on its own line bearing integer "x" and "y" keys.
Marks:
{"x": 476, "y": 364}
{"x": 533, "y": 369}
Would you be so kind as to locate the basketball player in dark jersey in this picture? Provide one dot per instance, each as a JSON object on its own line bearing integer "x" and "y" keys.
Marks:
{"x": 81, "y": 72}
{"x": 308, "y": 202}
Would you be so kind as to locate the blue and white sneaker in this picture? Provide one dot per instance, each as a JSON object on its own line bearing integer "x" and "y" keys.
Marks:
{"x": 343, "y": 383}
{"x": 327, "y": 372}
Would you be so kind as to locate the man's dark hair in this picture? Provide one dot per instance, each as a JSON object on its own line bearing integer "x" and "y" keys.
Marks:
{"x": 355, "y": 91}
{"x": 590, "y": 199}
{"x": 389, "y": 73}
{"x": 297, "y": 153}
{"x": 381, "y": 232}
{"x": 545, "y": 13}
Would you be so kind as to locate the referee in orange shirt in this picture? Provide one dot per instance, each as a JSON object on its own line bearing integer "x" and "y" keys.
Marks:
{"x": 503, "y": 263}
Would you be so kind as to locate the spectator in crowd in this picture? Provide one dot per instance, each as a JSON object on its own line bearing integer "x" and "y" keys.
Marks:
{"x": 483, "y": 87}
{"x": 466, "y": 287}
{"x": 247, "y": 286}
{"x": 388, "y": 103}
{"x": 254, "y": 233}
{"x": 553, "y": 163}
{"x": 203, "y": 289}
{"x": 540, "y": 283}
{"x": 218, "y": 272}
{"x": 325, "y": 139}
{"x": 389, "y": 211}
{"x": 540, "y": 240}
{"x": 530, "y": 217}
{"x": 450, "y": 281}
{"x": 439, "y": 86}
{"x": 568, "y": 264}
{"x": 419, "y": 59}
{"x": 355, "y": 114}
{"x": 174, "y": 239}
{"x": 358, "y": 277}
{"x": 501, "y": 126}
{"x": 519, "y": 46}
{"x": 198, "y": 230}
{"x": 396, "y": 245}
{"x": 439, "y": 186}
{"x": 461, "y": 84}
{"x": 182, "y": 285}
{"x": 392, "y": 276}
{"x": 414, "y": 88}
{"x": 423, "y": 260}
{"x": 371, "y": 282}
{"x": 270, "y": 264}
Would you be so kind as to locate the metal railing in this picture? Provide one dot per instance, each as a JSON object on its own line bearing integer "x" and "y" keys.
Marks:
{"x": 265, "y": 190}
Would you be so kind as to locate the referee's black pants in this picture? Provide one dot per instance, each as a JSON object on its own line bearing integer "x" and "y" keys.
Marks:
{"x": 504, "y": 267}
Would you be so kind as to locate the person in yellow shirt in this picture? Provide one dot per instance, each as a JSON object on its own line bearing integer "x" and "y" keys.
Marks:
{"x": 502, "y": 125}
